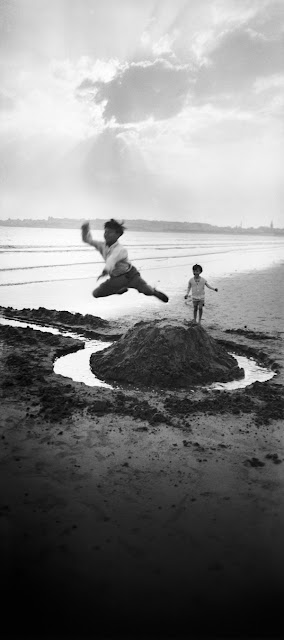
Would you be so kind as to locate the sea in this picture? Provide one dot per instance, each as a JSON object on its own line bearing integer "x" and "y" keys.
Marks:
{"x": 53, "y": 268}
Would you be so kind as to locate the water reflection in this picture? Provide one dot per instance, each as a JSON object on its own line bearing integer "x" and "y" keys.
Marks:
{"x": 77, "y": 365}
{"x": 253, "y": 373}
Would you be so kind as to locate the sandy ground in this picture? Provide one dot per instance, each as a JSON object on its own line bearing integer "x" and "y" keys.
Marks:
{"x": 143, "y": 512}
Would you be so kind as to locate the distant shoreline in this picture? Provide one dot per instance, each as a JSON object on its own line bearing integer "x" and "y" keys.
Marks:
{"x": 144, "y": 225}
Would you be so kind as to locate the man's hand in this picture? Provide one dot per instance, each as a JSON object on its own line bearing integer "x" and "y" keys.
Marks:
{"x": 85, "y": 228}
{"x": 103, "y": 274}
{"x": 186, "y": 296}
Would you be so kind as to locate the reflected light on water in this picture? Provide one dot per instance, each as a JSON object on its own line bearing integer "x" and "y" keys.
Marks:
{"x": 76, "y": 365}
{"x": 253, "y": 373}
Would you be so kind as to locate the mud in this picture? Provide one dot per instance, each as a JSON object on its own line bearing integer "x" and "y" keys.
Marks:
{"x": 253, "y": 335}
{"x": 27, "y": 367}
{"x": 92, "y": 326}
{"x": 137, "y": 508}
{"x": 163, "y": 354}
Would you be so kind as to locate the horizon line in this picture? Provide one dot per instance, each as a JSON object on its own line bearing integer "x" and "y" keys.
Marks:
{"x": 138, "y": 220}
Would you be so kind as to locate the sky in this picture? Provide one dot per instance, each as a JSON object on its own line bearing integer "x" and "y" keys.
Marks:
{"x": 154, "y": 109}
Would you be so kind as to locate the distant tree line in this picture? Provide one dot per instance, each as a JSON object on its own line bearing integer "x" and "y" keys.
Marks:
{"x": 143, "y": 225}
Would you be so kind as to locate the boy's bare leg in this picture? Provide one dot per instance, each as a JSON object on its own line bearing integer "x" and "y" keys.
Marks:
{"x": 200, "y": 314}
{"x": 194, "y": 313}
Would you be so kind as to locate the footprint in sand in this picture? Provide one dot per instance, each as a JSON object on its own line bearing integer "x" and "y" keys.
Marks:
{"x": 274, "y": 458}
{"x": 254, "y": 462}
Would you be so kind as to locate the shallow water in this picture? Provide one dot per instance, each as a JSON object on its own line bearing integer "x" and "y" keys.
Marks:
{"x": 52, "y": 268}
{"x": 253, "y": 373}
{"x": 76, "y": 365}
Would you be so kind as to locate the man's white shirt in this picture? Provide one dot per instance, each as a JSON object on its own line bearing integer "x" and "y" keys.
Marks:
{"x": 115, "y": 256}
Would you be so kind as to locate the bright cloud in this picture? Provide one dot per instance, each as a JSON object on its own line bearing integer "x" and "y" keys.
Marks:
{"x": 165, "y": 102}
{"x": 45, "y": 103}
{"x": 274, "y": 82}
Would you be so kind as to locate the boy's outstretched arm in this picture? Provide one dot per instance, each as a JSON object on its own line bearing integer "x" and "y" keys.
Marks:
{"x": 209, "y": 287}
{"x": 87, "y": 237}
{"x": 85, "y": 229}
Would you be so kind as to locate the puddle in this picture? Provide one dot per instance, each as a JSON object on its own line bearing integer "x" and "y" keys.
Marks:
{"x": 253, "y": 373}
{"x": 77, "y": 365}
{"x": 43, "y": 329}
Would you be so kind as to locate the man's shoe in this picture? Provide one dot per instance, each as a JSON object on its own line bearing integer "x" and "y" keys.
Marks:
{"x": 161, "y": 295}
{"x": 121, "y": 291}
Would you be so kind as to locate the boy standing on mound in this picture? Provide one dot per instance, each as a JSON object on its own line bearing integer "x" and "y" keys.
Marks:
{"x": 197, "y": 285}
{"x": 122, "y": 275}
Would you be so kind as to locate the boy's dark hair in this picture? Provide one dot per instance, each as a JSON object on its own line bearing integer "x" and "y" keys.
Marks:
{"x": 115, "y": 225}
{"x": 197, "y": 267}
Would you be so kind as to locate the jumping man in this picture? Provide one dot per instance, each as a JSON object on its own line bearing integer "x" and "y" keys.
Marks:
{"x": 122, "y": 275}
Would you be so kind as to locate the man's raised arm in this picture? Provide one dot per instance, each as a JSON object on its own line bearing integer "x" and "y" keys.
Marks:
{"x": 87, "y": 237}
{"x": 85, "y": 230}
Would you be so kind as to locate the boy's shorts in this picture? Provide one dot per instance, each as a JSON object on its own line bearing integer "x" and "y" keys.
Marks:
{"x": 198, "y": 304}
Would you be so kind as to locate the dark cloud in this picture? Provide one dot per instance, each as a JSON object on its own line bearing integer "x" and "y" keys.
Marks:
{"x": 240, "y": 57}
{"x": 145, "y": 90}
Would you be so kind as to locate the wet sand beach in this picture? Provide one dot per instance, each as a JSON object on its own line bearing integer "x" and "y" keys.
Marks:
{"x": 127, "y": 511}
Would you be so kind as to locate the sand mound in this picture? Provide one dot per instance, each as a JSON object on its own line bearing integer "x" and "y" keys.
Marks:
{"x": 164, "y": 353}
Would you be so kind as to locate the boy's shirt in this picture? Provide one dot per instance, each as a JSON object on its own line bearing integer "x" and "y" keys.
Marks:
{"x": 115, "y": 256}
{"x": 197, "y": 287}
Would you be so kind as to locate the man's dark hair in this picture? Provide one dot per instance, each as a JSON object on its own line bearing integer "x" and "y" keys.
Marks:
{"x": 115, "y": 225}
{"x": 197, "y": 267}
